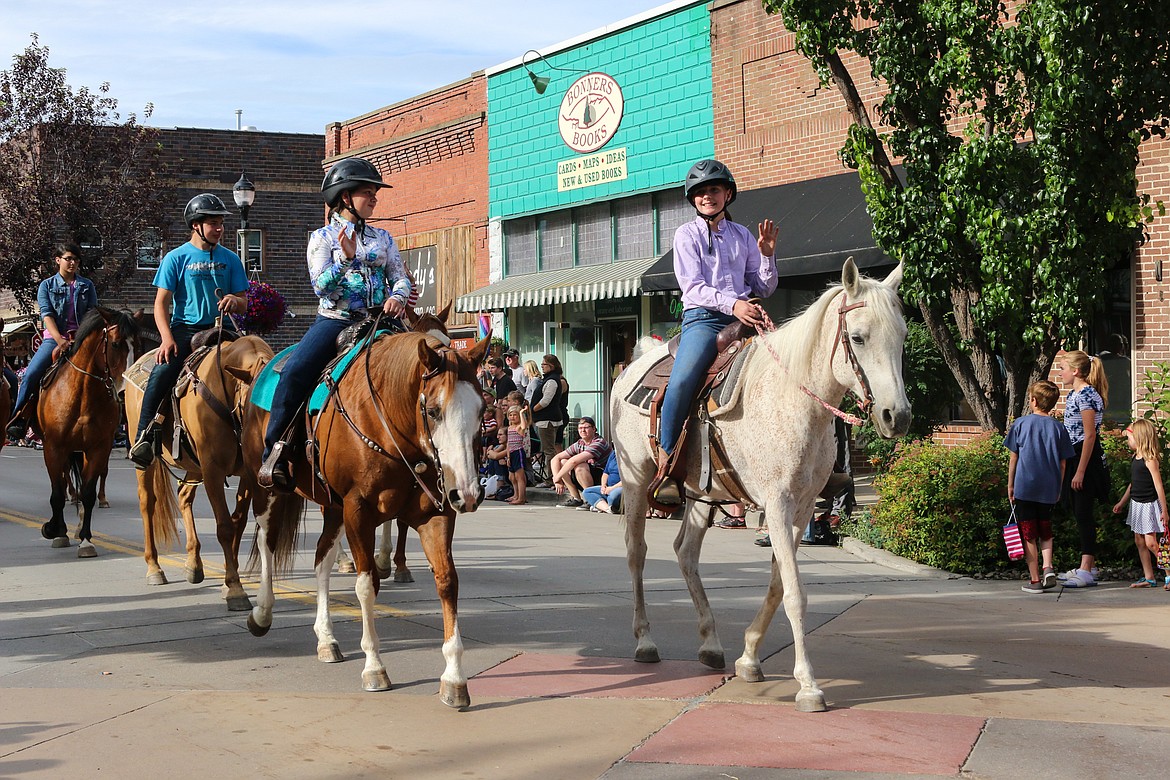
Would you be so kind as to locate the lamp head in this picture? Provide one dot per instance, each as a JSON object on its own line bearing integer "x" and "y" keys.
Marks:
{"x": 244, "y": 192}
{"x": 539, "y": 82}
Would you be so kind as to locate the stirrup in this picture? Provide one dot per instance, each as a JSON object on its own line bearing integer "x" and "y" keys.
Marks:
{"x": 274, "y": 473}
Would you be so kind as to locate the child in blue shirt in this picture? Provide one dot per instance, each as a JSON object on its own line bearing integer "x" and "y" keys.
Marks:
{"x": 1039, "y": 448}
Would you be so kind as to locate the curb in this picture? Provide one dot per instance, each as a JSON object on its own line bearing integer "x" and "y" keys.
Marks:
{"x": 891, "y": 561}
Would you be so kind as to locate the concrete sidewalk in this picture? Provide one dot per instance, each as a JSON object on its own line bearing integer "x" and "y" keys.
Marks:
{"x": 102, "y": 676}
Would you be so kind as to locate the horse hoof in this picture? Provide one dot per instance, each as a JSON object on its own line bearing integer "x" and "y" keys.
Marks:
{"x": 454, "y": 696}
{"x": 255, "y": 629}
{"x": 713, "y": 659}
{"x": 383, "y": 574}
{"x": 376, "y": 681}
{"x": 239, "y": 604}
{"x": 156, "y": 578}
{"x": 59, "y": 542}
{"x": 748, "y": 672}
{"x": 194, "y": 576}
{"x": 647, "y": 655}
{"x": 104, "y": 504}
{"x": 48, "y": 531}
{"x": 810, "y": 702}
{"x": 346, "y": 567}
{"x": 331, "y": 654}
{"x": 85, "y": 550}
{"x": 384, "y": 563}
{"x": 403, "y": 575}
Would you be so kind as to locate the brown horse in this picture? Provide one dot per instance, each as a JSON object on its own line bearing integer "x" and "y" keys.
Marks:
{"x": 211, "y": 410}
{"x": 78, "y": 412}
{"x": 397, "y": 439}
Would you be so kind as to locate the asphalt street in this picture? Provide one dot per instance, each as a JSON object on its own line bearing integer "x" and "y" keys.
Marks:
{"x": 102, "y": 675}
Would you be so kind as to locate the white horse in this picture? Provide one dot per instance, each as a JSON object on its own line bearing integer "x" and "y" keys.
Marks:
{"x": 780, "y": 441}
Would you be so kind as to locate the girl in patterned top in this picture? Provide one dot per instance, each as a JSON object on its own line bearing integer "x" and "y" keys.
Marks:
{"x": 1088, "y": 480}
{"x": 518, "y": 426}
{"x": 355, "y": 270}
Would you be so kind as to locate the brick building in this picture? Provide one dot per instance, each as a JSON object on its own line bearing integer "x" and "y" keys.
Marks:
{"x": 286, "y": 171}
{"x": 432, "y": 150}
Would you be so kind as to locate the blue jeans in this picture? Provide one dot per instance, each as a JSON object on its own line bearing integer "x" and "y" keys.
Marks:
{"x": 696, "y": 353}
{"x": 13, "y": 381}
{"x": 36, "y": 369}
{"x": 300, "y": 375}
{"x": 592, "y": 494}
{"x": 164, "y": 375}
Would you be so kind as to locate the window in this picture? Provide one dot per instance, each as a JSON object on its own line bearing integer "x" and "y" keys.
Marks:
{"x": 556, "y": 241}
{"x": 89, "y": 238}
{"x": 250, "y": 248}
{"x": 635, "y": 227}
{"x": 673, "y": 212}
{"x": 148, "y": 249}
{"x": 421, "y": 264}
{"x": 520, "y": 246}
{"x": 594, "y": 235}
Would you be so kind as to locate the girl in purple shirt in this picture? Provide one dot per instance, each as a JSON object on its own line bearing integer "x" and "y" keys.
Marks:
{"x": 719, "y": 266}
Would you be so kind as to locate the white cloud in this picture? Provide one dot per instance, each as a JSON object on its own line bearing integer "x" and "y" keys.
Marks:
{"x": 291, "y": 66}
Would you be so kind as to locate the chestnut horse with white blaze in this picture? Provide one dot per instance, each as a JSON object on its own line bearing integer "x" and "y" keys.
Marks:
{"x": 398, "y": 438}
{"x": 211, "y": 410}
{"x": 78, "y": 413}
{"x": 779, "y": 439}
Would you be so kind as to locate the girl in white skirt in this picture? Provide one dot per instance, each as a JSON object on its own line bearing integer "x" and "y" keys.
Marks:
{"x": 1146, "y": 496}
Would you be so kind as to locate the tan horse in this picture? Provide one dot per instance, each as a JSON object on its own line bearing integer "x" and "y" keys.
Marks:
{"x": 398, "y": 439}
{"x": 78, "y": 414}
{"x": 213, "y": 455}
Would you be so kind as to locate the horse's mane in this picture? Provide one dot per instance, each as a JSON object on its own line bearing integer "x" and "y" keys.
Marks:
{"x": 95, "y": 319}
{"x": 793, "y": 341}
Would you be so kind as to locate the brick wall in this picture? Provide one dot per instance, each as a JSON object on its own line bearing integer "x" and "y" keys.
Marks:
{"x": 432, "y": 149}
{"x": 1151, "y": 300}
{"x": 286, "y": 170}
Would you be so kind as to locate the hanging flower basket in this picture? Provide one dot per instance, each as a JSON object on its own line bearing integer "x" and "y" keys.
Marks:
{"x": 266, "y": 308}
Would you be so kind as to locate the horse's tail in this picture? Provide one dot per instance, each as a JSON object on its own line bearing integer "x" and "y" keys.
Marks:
{"x": 164, "y": 520}
{"x": 285, "y": 512}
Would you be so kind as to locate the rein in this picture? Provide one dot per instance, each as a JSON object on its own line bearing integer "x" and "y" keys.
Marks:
{"x": 842, "y": 339}
{"x": 108, "y": 379}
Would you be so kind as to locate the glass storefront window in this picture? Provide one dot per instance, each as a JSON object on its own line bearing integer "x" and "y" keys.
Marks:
{"x": 520, "y": 246}
{"x": 556, "y": 241}
{"x": 673, "y": 211}
{"x": 665, "y": 315}
{"x": 635, "y": 227}
{"x": 594, "y": 235}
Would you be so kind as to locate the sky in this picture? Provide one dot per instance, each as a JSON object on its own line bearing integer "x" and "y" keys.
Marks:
{"x": 292, "y": 66}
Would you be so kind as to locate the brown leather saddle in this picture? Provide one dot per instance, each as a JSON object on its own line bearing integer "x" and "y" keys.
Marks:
{"x": 730, "y": 343}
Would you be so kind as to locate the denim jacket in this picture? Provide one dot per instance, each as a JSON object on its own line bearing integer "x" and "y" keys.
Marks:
{"x": 52, "y": 295}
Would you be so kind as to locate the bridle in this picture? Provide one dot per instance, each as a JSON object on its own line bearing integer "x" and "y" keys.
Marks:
{"x": 107, "y": 376}
{"x": 842, "y": 339}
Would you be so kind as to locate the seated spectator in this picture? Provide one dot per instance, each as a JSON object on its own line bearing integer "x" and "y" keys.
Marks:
{"x": 607, "y": 496}
{"x": 580, "y": 466}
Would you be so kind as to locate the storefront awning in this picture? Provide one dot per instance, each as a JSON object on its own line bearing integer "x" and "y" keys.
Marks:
{"x": 583, "y": 283}
{"x": 821, "y": 222}
{"x": 12, "y": 328}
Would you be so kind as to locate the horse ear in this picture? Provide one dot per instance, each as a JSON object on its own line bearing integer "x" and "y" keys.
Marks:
{"x": 445, "y": 313}
{"x": 850, "y": 279}
{"x": 428, "y": 357}
{"x": 139, "y": 315}
{"x": 894, "y": 280}
{"x": 478, "y": 352}
{"x": 411, "y": 316}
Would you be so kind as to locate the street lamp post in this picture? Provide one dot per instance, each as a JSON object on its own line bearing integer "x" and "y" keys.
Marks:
{"x": 244, "y": 193}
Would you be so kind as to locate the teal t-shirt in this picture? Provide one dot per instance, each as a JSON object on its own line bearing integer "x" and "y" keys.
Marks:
{"x": 193, "y": 275}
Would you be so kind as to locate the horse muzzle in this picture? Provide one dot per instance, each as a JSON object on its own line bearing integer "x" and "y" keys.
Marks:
{"x": 892, "y": 422}
{"x": 466, "y": 500}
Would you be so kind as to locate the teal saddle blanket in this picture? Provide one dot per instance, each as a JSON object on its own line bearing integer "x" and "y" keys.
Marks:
{"x": 264, "y": 388}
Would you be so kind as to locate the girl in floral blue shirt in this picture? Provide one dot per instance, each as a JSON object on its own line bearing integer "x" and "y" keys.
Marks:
{"x": 354, "y": 268}
{"x": 1088, "y": 480}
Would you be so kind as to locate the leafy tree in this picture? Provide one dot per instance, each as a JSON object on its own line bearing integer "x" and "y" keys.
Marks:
{"x": 1018, "y": 138}
{"x": 70, "y": 169}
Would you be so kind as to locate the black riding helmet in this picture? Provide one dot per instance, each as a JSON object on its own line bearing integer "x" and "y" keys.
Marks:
{"x": 348, "y": 175}
{"x": 709, "y": 172}
{"x": 202, "y": 206}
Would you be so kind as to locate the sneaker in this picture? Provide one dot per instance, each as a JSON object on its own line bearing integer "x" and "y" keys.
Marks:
{"x": 731, "y": 522}
{"x": 763, "y": 541}
{"x": 1082, "y": 579}
{"x": 142, "y": 453}
{"x": 1049, "y": 579}
{"x": 570, "y": 503}
{"x": 1064, "y": 575}
{"x": 584, "y": 507}
{"x": 1032, "y": 587}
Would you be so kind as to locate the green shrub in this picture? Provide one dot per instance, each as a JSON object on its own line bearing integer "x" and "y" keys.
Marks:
{"x": 946, "y": 506}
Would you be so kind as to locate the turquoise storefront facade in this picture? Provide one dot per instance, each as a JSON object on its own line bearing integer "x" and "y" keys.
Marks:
{"x": 663, "y": 67}
{"x": 572, "y": 224}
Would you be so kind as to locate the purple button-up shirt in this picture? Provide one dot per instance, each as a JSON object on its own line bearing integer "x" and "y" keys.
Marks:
{"x": 735, "y": 271}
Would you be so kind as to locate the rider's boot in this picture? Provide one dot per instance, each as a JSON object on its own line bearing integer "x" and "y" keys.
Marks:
{"x": 664, "y": 488}
{"x": 17, "y": 428}
{"x": 274, "y": 472}
{"x": 142, "y": 453}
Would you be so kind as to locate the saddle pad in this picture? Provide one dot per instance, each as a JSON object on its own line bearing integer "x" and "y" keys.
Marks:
{"x": 264, "y": 388}
{"x": 723, "y": 398}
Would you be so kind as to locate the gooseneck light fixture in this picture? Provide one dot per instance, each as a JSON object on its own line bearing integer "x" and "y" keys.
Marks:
{"x": 540, "y": 83}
